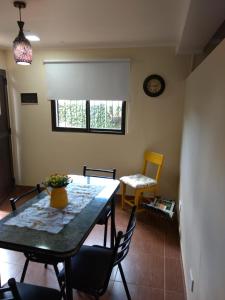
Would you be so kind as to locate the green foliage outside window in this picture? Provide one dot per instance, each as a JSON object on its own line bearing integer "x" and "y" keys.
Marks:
{"x": 103, "y": 114}
{"x": 72, "y": 113}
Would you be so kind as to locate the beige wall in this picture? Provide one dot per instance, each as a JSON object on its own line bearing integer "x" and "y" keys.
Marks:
{"x": 151, "y": 123}
{"x": 2, "y": 60}
{"x": 202, "y": 187}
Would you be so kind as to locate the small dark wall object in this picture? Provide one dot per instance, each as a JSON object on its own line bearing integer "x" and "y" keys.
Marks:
{"x": 29, "y": 98}
{"x": 154, "y": 85}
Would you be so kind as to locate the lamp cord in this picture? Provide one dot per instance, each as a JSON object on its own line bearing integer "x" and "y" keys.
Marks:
{"x": 20, "y": 13}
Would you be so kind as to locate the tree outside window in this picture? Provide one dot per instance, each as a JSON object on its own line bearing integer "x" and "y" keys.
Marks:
{"x": 95, "y": 116}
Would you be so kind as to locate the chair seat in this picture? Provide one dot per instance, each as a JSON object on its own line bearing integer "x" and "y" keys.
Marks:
{"x": 104, "y": 215}
{"x": 34, "y": 292}
{"x": 90, "y": 268}
{"x": 138, "y": 181}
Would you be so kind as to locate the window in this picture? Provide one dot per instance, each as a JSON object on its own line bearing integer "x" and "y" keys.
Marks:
{"x": 94, "y": 116}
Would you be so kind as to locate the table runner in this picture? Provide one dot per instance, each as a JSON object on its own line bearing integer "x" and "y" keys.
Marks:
{"x": 40, "y": 216}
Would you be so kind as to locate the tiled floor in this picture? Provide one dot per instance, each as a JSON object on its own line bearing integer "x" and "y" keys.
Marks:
{"x": 152, "y": 267}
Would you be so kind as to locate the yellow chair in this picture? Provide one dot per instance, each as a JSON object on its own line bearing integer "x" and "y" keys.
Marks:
{"x": 141, "y": 182}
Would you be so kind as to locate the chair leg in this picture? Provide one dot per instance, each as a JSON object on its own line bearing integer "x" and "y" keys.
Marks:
{"x": 24, "y": 270}
{"x": 124, "y": 281}
{"x": 62, "y": 287}
{"x": 57, "y": 274}
{"x": 123, "y": 194}
{"x": 136, "y": 198}
{"x": 105, "y": 232}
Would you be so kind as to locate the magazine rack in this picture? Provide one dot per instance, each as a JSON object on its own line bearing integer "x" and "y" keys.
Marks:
{"x": 163, "y": 206}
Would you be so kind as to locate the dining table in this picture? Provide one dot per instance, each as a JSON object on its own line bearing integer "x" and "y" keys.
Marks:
{"x": 64, "y": 244}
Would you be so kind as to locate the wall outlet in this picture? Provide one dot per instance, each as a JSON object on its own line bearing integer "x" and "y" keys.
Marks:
{"x": 191, "y": 281}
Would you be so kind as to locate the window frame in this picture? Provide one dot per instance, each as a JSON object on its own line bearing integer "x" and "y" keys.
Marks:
{"x": 88, "y": 129}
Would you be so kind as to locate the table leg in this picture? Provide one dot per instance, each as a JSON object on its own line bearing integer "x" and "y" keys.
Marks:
{"x": 113, "y": 226}
{"x": 68, "y": 277}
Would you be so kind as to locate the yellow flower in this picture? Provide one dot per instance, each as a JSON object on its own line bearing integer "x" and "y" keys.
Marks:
{"x": 57, "y": 180}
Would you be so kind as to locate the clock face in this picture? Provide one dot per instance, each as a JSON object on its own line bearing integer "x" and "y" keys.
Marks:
{"x": 154, "y": 85}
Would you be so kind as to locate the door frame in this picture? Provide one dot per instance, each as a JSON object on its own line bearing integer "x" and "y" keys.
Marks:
{"x": 3, "y": 74}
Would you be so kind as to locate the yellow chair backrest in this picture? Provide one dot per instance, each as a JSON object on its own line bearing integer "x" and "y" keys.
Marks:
{"x": 153, "y": 158}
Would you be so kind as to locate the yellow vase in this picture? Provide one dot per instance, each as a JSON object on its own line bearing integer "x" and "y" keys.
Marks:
{"x": 59, "y": 198}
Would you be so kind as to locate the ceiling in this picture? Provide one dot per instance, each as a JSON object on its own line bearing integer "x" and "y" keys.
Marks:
{"x": 115, "y": 23}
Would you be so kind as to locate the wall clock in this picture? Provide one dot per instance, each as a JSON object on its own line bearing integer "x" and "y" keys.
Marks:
{"x": 154, "y": 85}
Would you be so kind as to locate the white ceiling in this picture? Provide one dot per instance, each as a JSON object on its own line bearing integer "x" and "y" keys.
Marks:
{"x": 203, "y": 18}
{"x": 103, "y": 23}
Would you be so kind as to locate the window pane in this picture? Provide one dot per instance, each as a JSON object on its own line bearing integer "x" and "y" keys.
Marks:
{"x": 105, "y": 114}
{"x": 71, "y": 113}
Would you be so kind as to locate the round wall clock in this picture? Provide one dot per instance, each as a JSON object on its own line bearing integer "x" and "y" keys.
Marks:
{"x": 154, "y": 85}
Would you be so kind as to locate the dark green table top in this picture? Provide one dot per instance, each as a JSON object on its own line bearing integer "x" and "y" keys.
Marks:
{"x": 68, "y": 241}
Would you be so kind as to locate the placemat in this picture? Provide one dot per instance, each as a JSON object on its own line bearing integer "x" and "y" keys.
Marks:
{"x": 40, "y": 216}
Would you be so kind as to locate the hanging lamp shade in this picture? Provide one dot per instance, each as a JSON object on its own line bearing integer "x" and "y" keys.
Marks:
{"x": 21, "y": 46}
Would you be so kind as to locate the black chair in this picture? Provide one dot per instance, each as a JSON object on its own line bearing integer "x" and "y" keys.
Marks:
{"x": 92, "y": 265}
{"x": 34, "y": 257}
{"x": 106, "y": 214}
{"x": 23, "y": 291}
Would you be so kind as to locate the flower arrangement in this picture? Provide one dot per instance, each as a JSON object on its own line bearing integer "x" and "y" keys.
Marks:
{"x": 57, "y": 180}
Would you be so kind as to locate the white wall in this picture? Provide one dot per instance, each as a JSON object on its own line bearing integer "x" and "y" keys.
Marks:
{"x": 202, "y": 186}
{"x": 151, "y": 123}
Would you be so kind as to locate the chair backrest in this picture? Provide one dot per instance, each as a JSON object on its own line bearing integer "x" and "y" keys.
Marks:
{"x": 121, "y": 247}
{"x": 10, "y": 292}
{"x": 102, "y": 173}
{"x": 13, "y": 201}
{"x": 153, "y": 158}
{"x": 125, "y": 238}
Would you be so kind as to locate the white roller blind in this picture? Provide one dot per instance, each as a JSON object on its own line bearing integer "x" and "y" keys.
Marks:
{"x": 97, "y": 80}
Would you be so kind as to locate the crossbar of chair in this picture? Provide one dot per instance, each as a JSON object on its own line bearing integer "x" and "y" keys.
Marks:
{"x": 110, "y": 171}
{"x": 13, "y": 201}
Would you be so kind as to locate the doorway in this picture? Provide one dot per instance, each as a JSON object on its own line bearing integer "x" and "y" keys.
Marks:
{"x": 7, "y": 180}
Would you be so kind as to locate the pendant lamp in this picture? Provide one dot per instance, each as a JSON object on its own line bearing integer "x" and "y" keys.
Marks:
{"x": 21, "y": 46}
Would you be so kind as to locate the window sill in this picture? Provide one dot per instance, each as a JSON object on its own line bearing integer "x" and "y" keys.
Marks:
{"x": 84, "y": 130}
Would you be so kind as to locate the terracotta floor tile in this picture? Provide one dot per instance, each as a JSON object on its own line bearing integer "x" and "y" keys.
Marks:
{"x": 172, "y": 244}
{"x": 8, "y": 271}
{"x": 143, "y": 292}
{"x": 96, "y": 236}
{"x": 137, "y": 292}
{"x": 37, "y": 274}
{"x": 116, "y": 291}
{"x": 171, "y": 295}
{"x": 148, "y": 241}
{"x": 3, "y": 214}
{"x": 143, "y": 269}
{"x": 12, "y": 257}
{"x": 174, "y": 280}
